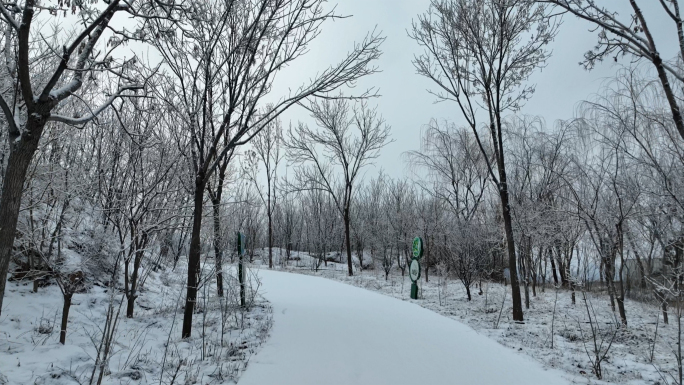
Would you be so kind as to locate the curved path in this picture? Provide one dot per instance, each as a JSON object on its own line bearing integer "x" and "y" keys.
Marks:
{"x": 329, "y": 333}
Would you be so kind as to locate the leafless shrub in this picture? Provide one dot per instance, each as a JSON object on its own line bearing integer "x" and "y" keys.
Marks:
{"x": 599, "y": 340}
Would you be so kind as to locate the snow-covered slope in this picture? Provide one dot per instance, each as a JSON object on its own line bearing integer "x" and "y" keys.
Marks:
{"x": 146, "y": 348}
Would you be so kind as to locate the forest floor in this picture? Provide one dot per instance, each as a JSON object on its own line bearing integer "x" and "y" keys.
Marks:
{"x": 556, "y": 333}
{"x": 326, "y": 332}
{"x": 147, "y": 349}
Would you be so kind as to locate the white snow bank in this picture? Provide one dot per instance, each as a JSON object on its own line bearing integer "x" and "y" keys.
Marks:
{"x": 31, "y": 354}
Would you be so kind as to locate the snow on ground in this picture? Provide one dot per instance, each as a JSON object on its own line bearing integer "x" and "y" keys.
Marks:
{"x": 329, "y": 333}
{"x": 628, "y": 359}
{"x": 30, "y": 352}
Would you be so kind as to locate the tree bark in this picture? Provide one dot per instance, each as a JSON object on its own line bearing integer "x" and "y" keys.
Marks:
{"x": 609, "y": 265}
{"x": 553, "y": 267}
{"x": 533, "y": 273}
{"x": 130, "y": 306}
{"x": 194, "y": 257}
{"x": 21, "y": 153}
{"x": 546, "y": 266}
{"x": 65, "y": 317}
{"x": 131, "y": 286}
{"x": 525, "y": 273}
{"x": 270, "y": 228}
{"x": 562, "y": 269}
{"x": 621, "y": 297}
{"x": 347, "y": 241}
{"x": 218, "y": 252}
{"x": 241, "y": 277}
{"x": 510, "y": 243}
{"x": 660, "y": 69}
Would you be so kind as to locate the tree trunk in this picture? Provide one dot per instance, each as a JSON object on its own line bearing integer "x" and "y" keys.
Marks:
{"x": 571, "y": 280}
{"x": 347, "y": 241}
{"x": 427, "y": 256}
{"x": 562, "y": 269}
{"x": 65, "y": 317}
{"x": 534, "y": 283}
{"x": 21, "y": 153}
{"x": 129, "y": 291}
{"x": 533, "y": 270}
{"x": 194, "y": 257}
{"x": 270, "y": 229}
{"x": 526, "y": 274}
{"x": 553, "y": 267}
{"x": 669, "y": 94}
{"x": 241, "y": 278}
{"x": 546, "y": 266}
{"x": 218, "y": 251}
{"x": 359, "y": 256}
{"x": 512, "y": 264}
{"x": 131, "y": 286}
{"x": 130, "y": 305}
{"x": 610, "y": 281}
{"x": 621, "y": 297}
{"x": 663, "y": 304}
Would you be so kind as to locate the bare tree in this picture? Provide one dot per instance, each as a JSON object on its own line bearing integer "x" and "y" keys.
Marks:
{"x": 479, "y": 54}
{"x": 372, "y": 227}
{"x": 342, "y": 147}
{"x": 144, "y": 186}
{"x": 322, "y": 224}
{"x": 631, "y": 121}
{"x": 267, "y": 152}
{"x": 543, "y": 217}
{"x": 39, "y": 80}
{"x": 456, "y": 175}
{"x": 601, "y": 340}
{"x": 631, "y": 36}
{"x": 215, "y": 190}
{"x": 401, "y": 205}
{"x": 221, "y": 60}
{"x": 606, "y": 197}
{"x": 455, "y": 167}
{"x": 287, "y": 220}
{"x": 468, "y": 249}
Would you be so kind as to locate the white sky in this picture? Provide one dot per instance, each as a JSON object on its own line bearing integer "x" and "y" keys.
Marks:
{"x": 408, "y": 107}
{"x": 405, "y": 103}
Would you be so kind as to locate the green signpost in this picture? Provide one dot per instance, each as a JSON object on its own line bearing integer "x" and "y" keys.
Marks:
{"x": 241, "y": 242}
{"x": 414, "y": 266}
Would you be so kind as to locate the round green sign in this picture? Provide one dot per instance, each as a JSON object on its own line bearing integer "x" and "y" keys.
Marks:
{"x": 417, "y": 247}
{"x": 414, "y": 270}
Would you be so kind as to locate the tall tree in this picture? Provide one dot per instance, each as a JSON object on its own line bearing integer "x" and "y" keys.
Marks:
{"x": 631, "y": 35}
{"x": 341, "y": 147}
{"x": 221, "y": 60}
{"x": 267, "y": 152}
{"x": 479, "y": 53}
{"x": 38, "y": 80}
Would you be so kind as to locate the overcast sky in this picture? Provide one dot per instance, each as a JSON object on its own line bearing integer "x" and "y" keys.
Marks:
{"x": 405, "y": 103}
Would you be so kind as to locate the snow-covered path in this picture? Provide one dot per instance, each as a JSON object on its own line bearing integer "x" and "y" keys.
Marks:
{"x": 328, "y": 333}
